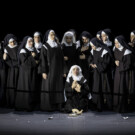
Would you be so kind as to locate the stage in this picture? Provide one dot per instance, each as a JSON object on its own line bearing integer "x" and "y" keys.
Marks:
{"x": 92, "y": 123}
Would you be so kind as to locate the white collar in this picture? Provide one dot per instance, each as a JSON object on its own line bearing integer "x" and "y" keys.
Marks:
{"x": 108, "y": 42}
{"x": 120, "y": 48}
{"x": 38, "y": 45}
{"x": 98, "y": 49}
{"x": 12, "y": 46}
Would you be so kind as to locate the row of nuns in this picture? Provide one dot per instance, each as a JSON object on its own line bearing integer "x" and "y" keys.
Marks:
{"x": 40, "y": 73}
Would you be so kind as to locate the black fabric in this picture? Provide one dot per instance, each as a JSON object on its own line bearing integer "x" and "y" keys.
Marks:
{"x": 76, "y": 100}
{"x": 52, "y": 89}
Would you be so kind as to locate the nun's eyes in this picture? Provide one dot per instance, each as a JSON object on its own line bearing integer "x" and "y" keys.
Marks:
{"x": 68, "y": 37}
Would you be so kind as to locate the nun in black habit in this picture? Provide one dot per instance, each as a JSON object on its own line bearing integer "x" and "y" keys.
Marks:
{"x": 100, "y": 62}
{"x": 11, "y": 60}
{"x": 122, "y": 55}
{"x": 26, "y": 88}
{"x": 77, "y": 91}
{"x": 69, "y": 49}
{"x": 83, "y": 50}
{"x": 2, "y": 77}
{"x": 131, "y": 100}
{"x": 38, "y": 45}
{"x": 52, "y": 69}
{"x": 106, "y": 37}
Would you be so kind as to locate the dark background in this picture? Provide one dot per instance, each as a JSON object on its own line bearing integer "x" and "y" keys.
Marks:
{"x": 25, "y": 18}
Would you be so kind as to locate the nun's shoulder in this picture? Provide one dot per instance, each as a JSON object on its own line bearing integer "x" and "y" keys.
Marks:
{"x": 127, "y": 51}
{"x": 23, "y": 51}
{"x": 44, "y": 46}
{"x": 83, "y": 80}
{"x": 104, "y": 52}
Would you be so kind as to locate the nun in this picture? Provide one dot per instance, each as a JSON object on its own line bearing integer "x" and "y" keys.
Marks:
{"x": 122, "y": 55}
{"x": 77, "y": 91}
{"x": 38, "y": 45}
{"x": 52, "y": 69}
{"x": 11, "y": 60}
{"x": 83, "y": 52}
{"x": 100, "y": 62}
{"x": 26, "y": 88}
{"x": 2, "y": 77}
{"x": 131, "y": 100}
{"x": 132, "y": 39}
{"x": 37, "y": 42}
{"x": 69, "y": 49}
{"x": 106, "y": 37}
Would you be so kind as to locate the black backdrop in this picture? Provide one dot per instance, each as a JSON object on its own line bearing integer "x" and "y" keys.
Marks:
{"x": 24, "y": 18}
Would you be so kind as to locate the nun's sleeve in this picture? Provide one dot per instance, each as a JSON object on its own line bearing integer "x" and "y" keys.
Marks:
{"x": 27, "y": 61}
{"x": 103, "y": 64}
{"x": 68, "y": 89}
{"x": 8, "y": 61}
{"x": 43, "y": 60}
{"x": 125, "y": 64}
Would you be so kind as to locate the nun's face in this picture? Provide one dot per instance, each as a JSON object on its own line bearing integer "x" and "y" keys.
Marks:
{"x": 85, "y": 40}
{"x": 132, "y": 38}
{"x": 36, "y": 39}
{"x": 52, "y": 36}
{"x": 104, "y": 36}
{"x": 30, "y": 43}
{"x": 116, "y": 44}
{"x": 98, "y": 37}
{"x": 75, "y": 71}
{"x": 69, "y": 39}
{"x": 12, "y": 43}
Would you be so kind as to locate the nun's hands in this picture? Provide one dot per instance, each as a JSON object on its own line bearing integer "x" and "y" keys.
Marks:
{"x": 44, "y": 75}
{"x": 78, "y": 88}
{"x": 117, "y": 63}
{"x": 37, "y": 61}
{"x": 84, "y": 48}
{"x": 74, "y": 84}
{"x": 64, "y": 75}
{"x": 4, "y": 56}
{"x": 65, "y": 58}
{"x": 82, "y": 57}
{"x": 33, "y": 54}
{"x": 93, "y": 65}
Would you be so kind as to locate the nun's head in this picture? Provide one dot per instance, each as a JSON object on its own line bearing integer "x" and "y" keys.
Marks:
{"x": 85, "y": 40}
{"x": 93, "y": 46}
{"x": 117, "y": 44}
{"x": 104, "y": 36}
{"x": 75, "y": 71}
{"x": 132, "y": 36}
{"x": 94, "y": 43}
{"x": 69, "y": 37}
{"x": 98, "y": 35}
{"x": 51, "y": 35}
{"x": 12, "y": 42}
{"x": 29, "y": 42}
{"x": 85, "y": 37}
{"x": 37, "y": 38}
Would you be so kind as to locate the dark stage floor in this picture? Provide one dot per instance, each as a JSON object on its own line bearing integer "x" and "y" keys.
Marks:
{"x": 91, "y": 123}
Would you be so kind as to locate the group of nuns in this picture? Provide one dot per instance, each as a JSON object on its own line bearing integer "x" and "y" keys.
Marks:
{"x": 42, "y": 73}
